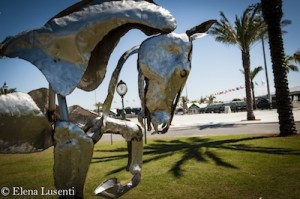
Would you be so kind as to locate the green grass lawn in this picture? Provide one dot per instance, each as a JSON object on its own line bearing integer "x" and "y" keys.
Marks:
{"x": 241, "y": 167}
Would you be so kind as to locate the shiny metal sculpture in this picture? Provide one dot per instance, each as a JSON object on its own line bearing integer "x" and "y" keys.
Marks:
{"x": 73, "y": 49}
{"x": 76, "y": 44}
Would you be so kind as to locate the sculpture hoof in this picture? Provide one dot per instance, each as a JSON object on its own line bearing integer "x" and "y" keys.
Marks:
{"x": 108, "y": 189}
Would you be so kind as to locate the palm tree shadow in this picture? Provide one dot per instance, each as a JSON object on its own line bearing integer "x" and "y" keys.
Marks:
{"x": 196, "y": 148}
{"x": 192, "y": 149}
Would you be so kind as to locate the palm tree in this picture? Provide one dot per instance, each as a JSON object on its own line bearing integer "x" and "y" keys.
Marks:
{"x": 98, "y": 105}
{"x": 290, "y": 62}
{"x": 272, "y": 13}
{"x": 202, "y": 100}
{"x": 244, "y": 34}
{"x": 211, "y": 99}
{"x": 284, "y": 23}
{"x": 253, "y": 74}
{"x": 184, "y": 103}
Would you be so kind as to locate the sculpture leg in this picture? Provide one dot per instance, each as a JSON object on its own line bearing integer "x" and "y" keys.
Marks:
{"x": 73, "y": 151}
{"x": 132, "y": 133}
{"x": 63, "y": 107}
{"x": 51, "y": 106}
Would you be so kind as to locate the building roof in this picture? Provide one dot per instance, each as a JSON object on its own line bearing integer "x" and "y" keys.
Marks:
{"x": 295, "y": 90}
{"x": 198, "y": 105}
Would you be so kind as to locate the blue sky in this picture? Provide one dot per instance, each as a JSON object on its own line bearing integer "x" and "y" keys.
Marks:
{"x": 215, "y": 66}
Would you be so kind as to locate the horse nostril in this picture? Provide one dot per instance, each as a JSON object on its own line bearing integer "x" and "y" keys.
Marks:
{"x": 183, "y": 73}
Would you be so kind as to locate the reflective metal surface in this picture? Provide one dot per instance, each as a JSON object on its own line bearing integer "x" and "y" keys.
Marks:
{"x": 73, "y": 151}
{"x": 73, "y": 48}
{"x": 132, "y": 133}
{"x": 164, "y": 64}
{"x": 23, "y": 127}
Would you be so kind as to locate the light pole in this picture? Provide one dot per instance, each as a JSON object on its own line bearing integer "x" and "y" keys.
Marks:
{"x": 259, "y": 19}
{"x": 266, "y": 71}
{"x": 122, "y": 90}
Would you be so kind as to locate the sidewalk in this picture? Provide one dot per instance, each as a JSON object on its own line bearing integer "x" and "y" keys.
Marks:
{"x": 262, "y": 116}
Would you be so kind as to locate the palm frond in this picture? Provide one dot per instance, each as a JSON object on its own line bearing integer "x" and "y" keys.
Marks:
{"x": 255, "y": 71}
{"x": 296, "y": 57}
{"x": 223, "y": 31}
{"x": 292, "y": 67}
{"x": 247, "y": 29}
{"x": 291, "y": 60}
{"x": 286, "y": 22}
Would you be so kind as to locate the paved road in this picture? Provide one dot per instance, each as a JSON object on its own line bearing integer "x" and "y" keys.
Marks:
{"x": 222, "y": 124}
{"x": 228, "y": 129}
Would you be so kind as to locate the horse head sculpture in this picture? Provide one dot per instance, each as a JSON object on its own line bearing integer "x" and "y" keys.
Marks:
{"x": 164, "y": 65}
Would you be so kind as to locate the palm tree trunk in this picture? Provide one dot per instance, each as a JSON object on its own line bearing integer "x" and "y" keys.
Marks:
{"x": 246, "y": 66}
{"x": 272, "y": 12}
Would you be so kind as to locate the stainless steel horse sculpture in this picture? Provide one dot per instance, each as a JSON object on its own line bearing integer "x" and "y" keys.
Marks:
{"x": 72, "y": 50}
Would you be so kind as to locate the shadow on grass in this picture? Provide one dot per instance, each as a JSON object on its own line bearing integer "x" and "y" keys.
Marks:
{"x": 218, "y": 125}
{"x": 194, "y": 148}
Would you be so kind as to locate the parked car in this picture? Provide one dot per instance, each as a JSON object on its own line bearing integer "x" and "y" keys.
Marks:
{"x": 202, "y": 109}
{"x": 239, "y": 106}
{"x": 262, "y": 103}
{"x": 215, "y": 108}
{"x": 179, "y": 111}
{"x": 209, "y": 108}
{"x": 232, "y": 106}
{"x": 136, "y": 111}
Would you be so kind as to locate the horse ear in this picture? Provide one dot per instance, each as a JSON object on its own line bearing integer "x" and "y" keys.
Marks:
{"x": 202, "y": 28}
